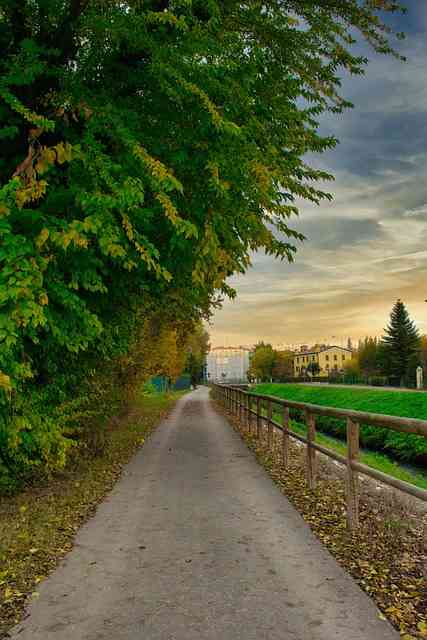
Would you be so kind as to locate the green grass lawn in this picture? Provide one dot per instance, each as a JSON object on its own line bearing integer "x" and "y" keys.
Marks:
{"x": 392, "y": 403}
{"x": 385, "y": 446}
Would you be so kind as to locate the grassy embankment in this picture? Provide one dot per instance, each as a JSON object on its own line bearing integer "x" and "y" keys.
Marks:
{"x": 37, "y": 526}
{"x": 383, "y": 446}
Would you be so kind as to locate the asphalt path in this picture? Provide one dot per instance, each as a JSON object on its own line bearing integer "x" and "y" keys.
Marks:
{"x": 195, "y": 542}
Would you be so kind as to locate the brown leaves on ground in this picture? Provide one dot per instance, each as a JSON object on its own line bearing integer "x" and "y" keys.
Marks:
{"x": 37, "y": 526}
{"x": 387, "y": 555}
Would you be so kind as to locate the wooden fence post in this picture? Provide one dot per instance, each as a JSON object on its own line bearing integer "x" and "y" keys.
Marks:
{"x": 311, "y": 452}
{"x": 258, "y": 418}
{"x": 352, "y": 476}
{"x": 248, "y": 412}
{"x": 269, "y": 424}
{"x": 285, "y": 437}
{"x": 244, "y": 409}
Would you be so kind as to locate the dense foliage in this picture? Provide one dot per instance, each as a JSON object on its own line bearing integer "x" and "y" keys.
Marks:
{"x": 147, "y": 148}
{"x": 267, "y": 364}
{"x": 394, "y": 403}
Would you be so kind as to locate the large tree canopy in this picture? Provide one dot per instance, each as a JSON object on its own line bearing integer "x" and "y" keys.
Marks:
{"x": 148, "y": 147}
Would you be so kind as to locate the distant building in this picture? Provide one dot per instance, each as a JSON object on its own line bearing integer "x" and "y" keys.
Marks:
{"x": 227, "y": 364}
{"x": 327, "y": 359}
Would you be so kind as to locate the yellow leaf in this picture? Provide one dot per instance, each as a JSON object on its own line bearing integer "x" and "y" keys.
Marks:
{"x": 422, "y": 628}
{"x": 5, "y": 381}
{"x": 64, "y": 152}
{"x": 46, "y": 158}
{"x": 42, "y": 237}
{"x": 8, "y": 593}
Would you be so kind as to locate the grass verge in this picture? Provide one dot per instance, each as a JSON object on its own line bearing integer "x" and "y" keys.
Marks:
{"x": 409, "y": 404}
{"x": 384, "y": 449}
{"x": 37, "y": 526}
{"x": 387, "y": 556}
{"x": 373, "y": 459}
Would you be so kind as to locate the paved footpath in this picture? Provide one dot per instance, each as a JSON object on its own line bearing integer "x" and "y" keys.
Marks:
{"x": 195, "y": 542}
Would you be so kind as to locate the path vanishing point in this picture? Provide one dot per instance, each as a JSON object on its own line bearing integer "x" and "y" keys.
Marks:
{"x": 195, "y": 542}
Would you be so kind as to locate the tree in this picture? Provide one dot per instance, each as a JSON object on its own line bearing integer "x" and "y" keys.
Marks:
{"x": 262, "y": 362}
{"x": 313, "y": 368}
{"x": 423, "y": 353}
{"x": 148, "y": 149}
{"x": 197, "y": 349}
{"x": 368, "y": 357}
{"x": 352, "y": 370}
{"x": 400, "y": 343}
{"x": 283, "y": 367}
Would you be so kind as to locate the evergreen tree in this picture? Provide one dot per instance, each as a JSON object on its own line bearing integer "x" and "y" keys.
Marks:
{"x": 400, "y": 343}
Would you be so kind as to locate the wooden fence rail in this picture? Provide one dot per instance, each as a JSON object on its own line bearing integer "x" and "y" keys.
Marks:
{"x": 241, "y": 403}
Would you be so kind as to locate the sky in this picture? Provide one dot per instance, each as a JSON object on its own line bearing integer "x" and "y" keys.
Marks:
{"x": 369, "y": 246}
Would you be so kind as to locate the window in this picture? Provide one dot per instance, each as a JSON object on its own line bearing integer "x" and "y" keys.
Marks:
{"x": 343, "y": 358}
{"x": 327, "y": 357}
{"x": 335, "y": 357}
{"x": 327, "y": 367}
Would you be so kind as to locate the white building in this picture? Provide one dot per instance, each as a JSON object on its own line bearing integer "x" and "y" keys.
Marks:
{"x": 227, "y": 364}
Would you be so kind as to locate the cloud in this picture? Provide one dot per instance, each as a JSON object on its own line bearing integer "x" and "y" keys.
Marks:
{"x": 367, "y": 247}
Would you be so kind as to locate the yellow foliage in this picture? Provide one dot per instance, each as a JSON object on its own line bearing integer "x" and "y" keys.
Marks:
{"x": 156, "y": 168}
{"x": 30, "y": 192}
{"x": 46, "y": 159}
{"x": 64, "y": 152}
{"x": 168, "y": 207}
{"x": 5, "y": 382}
{"x": 42, "y": 237}
{"x": 60, "y": 153}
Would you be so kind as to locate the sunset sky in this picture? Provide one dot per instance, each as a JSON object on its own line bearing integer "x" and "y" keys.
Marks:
{"x": 369, "y": 246}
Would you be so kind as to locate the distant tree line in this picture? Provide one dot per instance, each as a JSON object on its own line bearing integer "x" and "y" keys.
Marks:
{"x": 390, "y": 360}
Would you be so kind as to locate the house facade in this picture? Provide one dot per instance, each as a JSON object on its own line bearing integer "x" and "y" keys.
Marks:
{"x": 227, "y": 364}
{"x": 327, "y": 359}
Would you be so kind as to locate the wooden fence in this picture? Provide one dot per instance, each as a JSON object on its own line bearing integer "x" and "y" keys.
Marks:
{"x": 257, "y": 410}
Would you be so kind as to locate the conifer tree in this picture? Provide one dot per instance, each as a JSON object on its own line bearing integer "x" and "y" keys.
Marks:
{"x": 401, "y": 343}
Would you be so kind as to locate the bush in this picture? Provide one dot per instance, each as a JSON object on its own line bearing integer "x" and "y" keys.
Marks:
{"x": 378, "y": 381}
